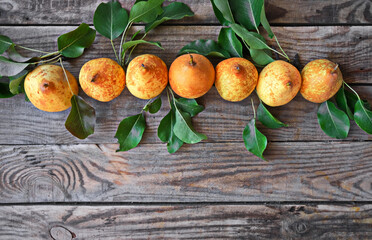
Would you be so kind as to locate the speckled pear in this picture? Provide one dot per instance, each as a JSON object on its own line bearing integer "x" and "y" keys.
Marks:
{"x": 236, "y": 78}
{"x": 278, "y": 83}
{"x": 147, "y": 76}
{"x": 48, "y": 89}
{"x": 321, "y": 79}
{"x": 102, "y": 79}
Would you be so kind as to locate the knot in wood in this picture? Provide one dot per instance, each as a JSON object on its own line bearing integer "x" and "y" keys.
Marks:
{"x": 61, "y": 233}
{"x": 297, "y": 228}
{"x": 300, "y": 227}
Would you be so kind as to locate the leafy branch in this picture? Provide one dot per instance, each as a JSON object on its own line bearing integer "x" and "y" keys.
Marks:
{"x": 176, "y": 127}
{"x": 15, "y": 67}
{"x": 113, "y": 21}
{"x": 131, "y": 129}
{"x": 240, "y": 17}
{"x": 255, "y": 142}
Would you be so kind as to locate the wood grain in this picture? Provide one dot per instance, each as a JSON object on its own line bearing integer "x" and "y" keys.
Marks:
{"x": 222, "y": 121}
{"x": 187, "y": 222}
{"x": 205, "y": 172}
{"x": 112, "y": 189}
{"x": 278, "y": 11}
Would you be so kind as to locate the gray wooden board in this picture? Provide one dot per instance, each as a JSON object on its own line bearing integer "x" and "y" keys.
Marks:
{"x": 221, "y": 121}
{"x": 304, "y": 222}
{"x": 205, "y": 172}
{"x": 278, "y": 11}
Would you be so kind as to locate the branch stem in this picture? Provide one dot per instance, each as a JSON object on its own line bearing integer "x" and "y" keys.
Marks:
{"x": 254, "y": 110}
{"x": 277, "y": 42}
{"x": 64, "y": 71}
{"x": 353, "y": 90}
{"x": 148, "y": 102}
{"x": 130, "y": 53}
{"x": 47, "y": 61}
{"x": 113, "y": 47}
{"x": 31, "y": 49}
{"x": 122, "y": 41}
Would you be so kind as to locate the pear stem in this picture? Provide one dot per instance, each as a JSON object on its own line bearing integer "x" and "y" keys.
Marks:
{"x": 335, "y": 69}
{"x": 192, "y": 63}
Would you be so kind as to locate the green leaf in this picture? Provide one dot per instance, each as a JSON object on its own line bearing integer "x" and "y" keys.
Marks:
{"x": 16, "y": 81}
{"x": 166, "y": 134}
{"x": 175, "y": 10}
{"x": 16, "y": 57}
{"x": 224, "y": 8}
{"x": 153, "y": 107}
{"x": 254, "y": 40}
{"x": 363, "y": 116}
{"x": 10, "y": 68}
{"x": 352, "y": 100}
{"x": 333, "y": 121}
{"x": 260, "y": 56}
{"x": 130, "y": 132}
{"x": 72, "y": 44}
{"x": 227, "y": 40}
{"x": 206, "y": 48}
{"x": 145, "y": 11}
{"x": 189, "y": 105}
{"x": 184, "y": 130}
{"x": 247, "y": 12}
{"x": 110, "y": 19}
{"x": 5, "y": 91}
{"x": 82, "y": 118}
{"x": 5, "y": 43}
{"x": 267, "y": 119}
{"x": 164, "y": 129}
{"x": 343, "y": 104}
{"x": 265, "y": 23}
{"x": 254, "y": 140}
{"x": 219, "y": 15}
{"x": 130, "y": 44}
{"x": 135, "y": 35}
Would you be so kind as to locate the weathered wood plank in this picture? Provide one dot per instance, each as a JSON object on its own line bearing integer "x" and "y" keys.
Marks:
{"x": 278, "y": 11}
{"x": 187, "y": 222}
{"x": 206, "y": 172}
{"x": 221, "y": 121}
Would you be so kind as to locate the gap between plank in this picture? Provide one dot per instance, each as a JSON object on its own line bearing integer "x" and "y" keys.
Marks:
{"x": 205, "y": 24}
{"x": 222, "y": 142}
{"x": 309, "y": 203}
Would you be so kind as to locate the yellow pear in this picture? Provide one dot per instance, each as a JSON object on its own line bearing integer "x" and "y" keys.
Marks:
{"x": 321, "y": 79}
{"x": 147, "y": 76}
{"x": 48, "y": 90}
{"x": 102, "y": 79}
{"x": 236, "y": 78}
{"x": 278, "y": 83}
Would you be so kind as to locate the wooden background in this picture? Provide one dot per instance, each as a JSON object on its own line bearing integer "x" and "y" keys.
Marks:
{"x": 53, "y": 186}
